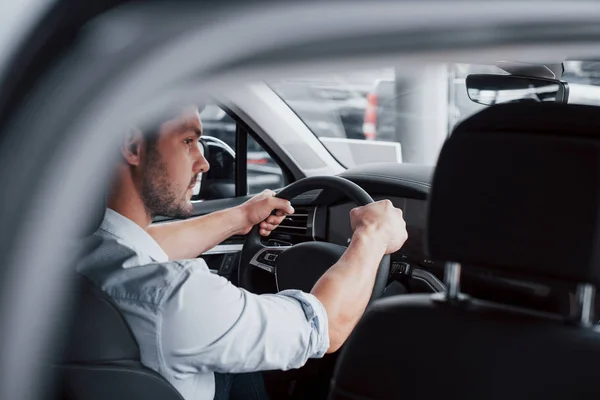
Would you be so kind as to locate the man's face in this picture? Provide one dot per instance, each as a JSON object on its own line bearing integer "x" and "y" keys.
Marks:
{"x": 171, "y": 166}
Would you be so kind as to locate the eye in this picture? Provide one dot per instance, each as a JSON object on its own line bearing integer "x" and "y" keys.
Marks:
{"x": 188, "y": 141}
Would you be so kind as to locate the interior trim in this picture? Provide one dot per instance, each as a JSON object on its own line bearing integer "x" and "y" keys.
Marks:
{"x": 314, "y": 221}
{"x": 224, "y": 249}
{"x": 430, "y": 279}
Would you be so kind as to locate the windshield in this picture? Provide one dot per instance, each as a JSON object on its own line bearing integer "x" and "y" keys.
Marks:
{"x": 386, "y": 115}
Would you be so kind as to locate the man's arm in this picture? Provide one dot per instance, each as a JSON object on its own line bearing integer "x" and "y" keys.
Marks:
{"x": 209, "y": 324}
{"x": 191, "y": 237}
{"x": 345, "y": 289}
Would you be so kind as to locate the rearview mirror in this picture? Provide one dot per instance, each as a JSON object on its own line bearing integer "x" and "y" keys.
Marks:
{"x": 488, "y": 89}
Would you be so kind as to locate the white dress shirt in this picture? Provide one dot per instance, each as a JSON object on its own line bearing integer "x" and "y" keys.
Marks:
{"x": 189, "y": 322}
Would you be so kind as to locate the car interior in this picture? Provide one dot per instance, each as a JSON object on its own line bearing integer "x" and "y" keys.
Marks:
{"x": 507, "y": 294}
{"x": 492, "y": 295}
{"x": 463, "y": 287}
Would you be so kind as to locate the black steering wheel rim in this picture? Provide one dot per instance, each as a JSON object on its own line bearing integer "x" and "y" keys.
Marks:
{"x": 358, "y": 195}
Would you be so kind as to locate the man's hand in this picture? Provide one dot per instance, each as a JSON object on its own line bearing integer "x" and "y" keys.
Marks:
{"x": 258, "y": 210}
{"x": 380, "y": 221}
{"x": 188, "y": 238}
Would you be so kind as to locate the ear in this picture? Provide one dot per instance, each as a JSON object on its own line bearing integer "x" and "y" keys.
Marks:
{"x": 131, "y": 148}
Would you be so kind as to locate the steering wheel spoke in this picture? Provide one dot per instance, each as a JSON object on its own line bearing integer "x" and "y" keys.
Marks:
{"x": 266, "y": 258}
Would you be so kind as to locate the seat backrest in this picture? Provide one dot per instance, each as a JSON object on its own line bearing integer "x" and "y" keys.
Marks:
{"x": 102, "y": 358}
{"x": 516, "y": 189}
{"x": 417, "y": 347}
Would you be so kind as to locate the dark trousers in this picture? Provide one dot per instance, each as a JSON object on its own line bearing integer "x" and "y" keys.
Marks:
{"x": 240, "y": 386}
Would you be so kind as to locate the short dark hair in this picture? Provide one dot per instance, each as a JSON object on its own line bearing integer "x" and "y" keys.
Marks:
{"x": 151, "y": 130}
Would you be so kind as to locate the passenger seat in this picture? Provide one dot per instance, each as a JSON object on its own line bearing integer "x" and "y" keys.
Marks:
{"x": 516, "y": 189}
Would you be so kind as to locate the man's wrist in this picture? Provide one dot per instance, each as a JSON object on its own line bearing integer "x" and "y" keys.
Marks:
{"x": 239, "y": 220}
{"x": 369, "y": 237}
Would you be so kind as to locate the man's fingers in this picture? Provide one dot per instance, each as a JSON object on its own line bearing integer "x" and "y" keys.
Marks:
{"x": 268, "y": 225}
{"x": 275, "y": 219}
{"x": 282, "y": 205}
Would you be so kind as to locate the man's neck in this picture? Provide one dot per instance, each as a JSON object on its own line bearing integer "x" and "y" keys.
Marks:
{"x": 139, "y": 216}
{"x": 126, "y": 201}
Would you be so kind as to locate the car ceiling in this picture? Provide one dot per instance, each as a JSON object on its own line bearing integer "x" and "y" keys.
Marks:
{"x": 96, "y": 87}
{"x": 325, "y": 31}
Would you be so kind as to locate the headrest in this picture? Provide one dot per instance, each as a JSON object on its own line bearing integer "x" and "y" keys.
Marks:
{"x": 517, "y": 187}
{"x": 98, "y": 331}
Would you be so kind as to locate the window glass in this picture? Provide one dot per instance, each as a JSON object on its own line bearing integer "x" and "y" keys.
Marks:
{"x": 402, "y": 116}
{"x": 218, "y": 144}
{"x": 218, "y": 124}
{"x": 263, "y": 171}
{"x": 373, "y": 116}
{"x": 584, "y": 81}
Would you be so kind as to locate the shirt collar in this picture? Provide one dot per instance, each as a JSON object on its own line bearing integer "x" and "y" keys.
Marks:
{"x": 132, "y": 235}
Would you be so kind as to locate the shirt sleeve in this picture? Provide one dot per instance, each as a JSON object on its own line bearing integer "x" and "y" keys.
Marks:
{"x": 208, "y": 324}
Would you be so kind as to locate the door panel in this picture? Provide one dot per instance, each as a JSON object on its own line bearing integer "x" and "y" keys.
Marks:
{"x": 223, "y": 258}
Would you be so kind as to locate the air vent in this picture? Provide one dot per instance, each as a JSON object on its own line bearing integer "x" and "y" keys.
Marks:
{"x": 296, "y": 227}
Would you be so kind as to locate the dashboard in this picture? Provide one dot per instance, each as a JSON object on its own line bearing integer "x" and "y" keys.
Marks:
{"x": 415, "y": 213}
{"x": 324, "y": 216}
{"x": 407, "y": 187}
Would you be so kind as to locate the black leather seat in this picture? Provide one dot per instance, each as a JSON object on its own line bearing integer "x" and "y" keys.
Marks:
{"x": 516, "y": 189}
{"x": 102, "y": 358}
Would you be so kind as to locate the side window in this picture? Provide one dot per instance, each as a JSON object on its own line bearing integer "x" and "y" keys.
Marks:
{"x": 262, "y": 171}
{"x": 219, "y": 141}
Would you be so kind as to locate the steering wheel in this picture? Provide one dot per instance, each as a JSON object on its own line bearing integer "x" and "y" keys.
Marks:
{"x": 301, "y": 265}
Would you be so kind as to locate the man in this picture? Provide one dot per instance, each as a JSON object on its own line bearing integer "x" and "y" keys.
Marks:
{"x": 190, "y": 323}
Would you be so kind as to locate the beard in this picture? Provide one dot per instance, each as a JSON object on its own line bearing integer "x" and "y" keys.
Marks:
{"x": 159, "y": 194}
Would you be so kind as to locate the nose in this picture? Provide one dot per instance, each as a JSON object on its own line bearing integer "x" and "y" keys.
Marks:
{"x": 201, "y": 164}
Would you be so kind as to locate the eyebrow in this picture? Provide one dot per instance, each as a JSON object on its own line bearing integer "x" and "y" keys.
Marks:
{"x": 187, "y": 127}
